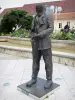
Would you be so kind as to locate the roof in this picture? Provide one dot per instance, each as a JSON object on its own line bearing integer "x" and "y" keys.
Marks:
{"x": 30, "y": 8}
{"x": 68, "y": 7}
{"x": 66, "y": 16}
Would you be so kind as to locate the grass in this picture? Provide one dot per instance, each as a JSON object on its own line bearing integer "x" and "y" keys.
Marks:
{"x": 29, "y": 46}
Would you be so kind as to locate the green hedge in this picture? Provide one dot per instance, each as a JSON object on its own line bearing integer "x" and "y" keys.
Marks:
{"x": 62, "y": 36}
{"x": 23, "y": 33}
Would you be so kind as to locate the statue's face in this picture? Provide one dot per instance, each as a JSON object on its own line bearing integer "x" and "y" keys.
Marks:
{"x": 39, "y": 14}
{"x": 39, "y": 9}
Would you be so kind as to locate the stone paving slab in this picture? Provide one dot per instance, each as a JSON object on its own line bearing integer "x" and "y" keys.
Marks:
{"x": 18, "y": 71}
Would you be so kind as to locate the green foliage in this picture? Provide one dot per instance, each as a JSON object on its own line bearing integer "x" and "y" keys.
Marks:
{"x": 23, "y": 33}
{"x": 62, "y": 36}
{"x": 13, "y": 18}
{"x": 3, "y": 34}
{"x": 74, "y": 36}
{"x": 52, "y": 36}
{"x": 57, "y": 35}
{"x": 28, "y": 22}
{"x": 69, "y": 36}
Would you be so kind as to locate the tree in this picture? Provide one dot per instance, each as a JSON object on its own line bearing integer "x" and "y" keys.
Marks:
{"x": 16, "y": 18}
{"x": 28, "y": 22}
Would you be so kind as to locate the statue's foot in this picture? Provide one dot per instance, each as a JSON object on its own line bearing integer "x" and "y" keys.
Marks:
{"x": 31, "y": 82}
{"x": 48, "y": 84}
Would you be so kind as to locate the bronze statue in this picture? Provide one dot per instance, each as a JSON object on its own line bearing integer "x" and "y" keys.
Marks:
{"x": 42, "y": 27}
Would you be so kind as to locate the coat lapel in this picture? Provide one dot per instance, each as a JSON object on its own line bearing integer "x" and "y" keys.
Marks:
{"x": 40, "y": 20}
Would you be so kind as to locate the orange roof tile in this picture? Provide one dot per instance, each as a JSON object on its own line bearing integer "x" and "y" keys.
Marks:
{"x": 66, "y": 16}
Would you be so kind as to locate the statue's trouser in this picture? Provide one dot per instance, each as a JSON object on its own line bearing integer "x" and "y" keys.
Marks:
{"x": 47, "y": 56}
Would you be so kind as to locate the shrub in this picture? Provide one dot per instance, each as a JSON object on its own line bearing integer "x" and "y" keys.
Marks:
{"x": 23, "y": 33}
{"x": 58, "y": 35}
{"x": 62, "y": 36}
{"x": 52, "y": 36}
{"x": 74, "y": 36}
{"x": 69, "y": 36}
{"x": 15, "y": 18}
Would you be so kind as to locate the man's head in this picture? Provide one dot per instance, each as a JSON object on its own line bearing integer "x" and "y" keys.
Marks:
{"x": 39, "y": 9}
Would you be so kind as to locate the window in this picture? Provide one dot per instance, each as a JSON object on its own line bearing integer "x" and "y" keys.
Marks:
{"x": 60, "y": 25}
{"x": 68, "y": 23}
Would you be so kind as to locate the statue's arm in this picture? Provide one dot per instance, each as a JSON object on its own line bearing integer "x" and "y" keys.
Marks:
{"x": 32, "y": 31}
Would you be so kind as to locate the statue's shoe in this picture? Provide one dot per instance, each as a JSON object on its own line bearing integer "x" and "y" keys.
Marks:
{"x": 31, "y": 82}
{"x": 48, "y": 84}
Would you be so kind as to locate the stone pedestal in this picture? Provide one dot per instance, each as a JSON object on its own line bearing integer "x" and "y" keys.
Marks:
{"x": 37, "y": 91}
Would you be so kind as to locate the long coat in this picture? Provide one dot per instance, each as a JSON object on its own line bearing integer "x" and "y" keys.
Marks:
{"x": 43, "y": 26}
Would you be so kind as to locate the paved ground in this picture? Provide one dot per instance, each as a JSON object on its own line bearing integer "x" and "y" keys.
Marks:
{"x": 14, "y": 71}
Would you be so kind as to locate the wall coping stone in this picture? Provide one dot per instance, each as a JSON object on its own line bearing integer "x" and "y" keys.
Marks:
{"x": 54, "y": 53}
{"x": 28, "y": 39}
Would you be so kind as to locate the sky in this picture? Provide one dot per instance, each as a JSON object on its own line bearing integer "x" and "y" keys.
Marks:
{"x": 18, "y": 3}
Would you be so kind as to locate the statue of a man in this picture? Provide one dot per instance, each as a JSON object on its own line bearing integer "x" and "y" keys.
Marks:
{"x": 42, "y": 27}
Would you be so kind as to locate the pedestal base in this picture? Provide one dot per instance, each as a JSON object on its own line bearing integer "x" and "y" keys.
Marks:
{"x": 37, "y": 91}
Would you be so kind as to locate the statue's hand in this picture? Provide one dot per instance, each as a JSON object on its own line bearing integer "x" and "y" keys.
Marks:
{"x": 35, "y": 36}
{"x": 32, "y": 40}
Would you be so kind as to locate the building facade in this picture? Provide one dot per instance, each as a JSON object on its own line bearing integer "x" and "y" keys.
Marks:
{"x": 63, "y": 19}
{"x": 67, "y": 15}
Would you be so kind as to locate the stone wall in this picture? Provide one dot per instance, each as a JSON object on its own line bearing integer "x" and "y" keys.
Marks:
{"x": 68, "y": 44}
{"x": 58, "y": 57}
{"x": 22, "y": 41}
